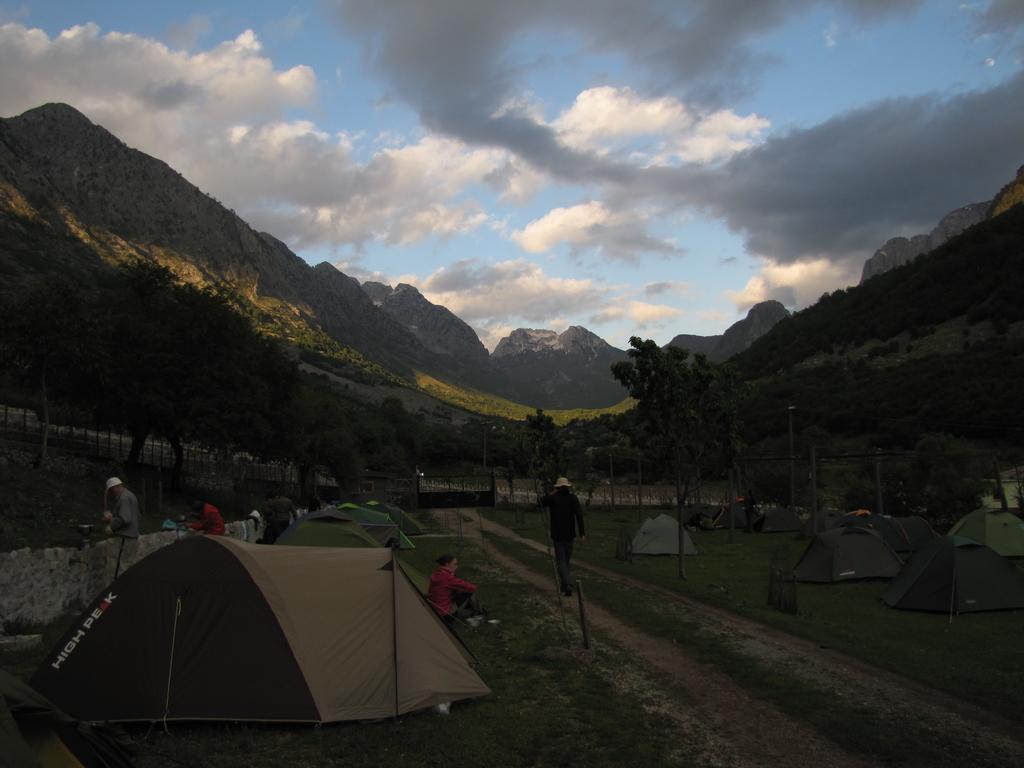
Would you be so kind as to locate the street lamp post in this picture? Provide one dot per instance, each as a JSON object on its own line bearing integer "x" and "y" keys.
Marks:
{"x": 792, "y": 461}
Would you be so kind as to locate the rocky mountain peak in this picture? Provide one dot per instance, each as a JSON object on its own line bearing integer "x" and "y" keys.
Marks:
{"x": 899, "y": 250}
{"x": 760, "y": 319}
{"x": 437, "y": 328}
{"x": 525, "y": 340}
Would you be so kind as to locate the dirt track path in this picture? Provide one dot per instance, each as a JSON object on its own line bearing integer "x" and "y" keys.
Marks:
{"x": 753, "y": 731}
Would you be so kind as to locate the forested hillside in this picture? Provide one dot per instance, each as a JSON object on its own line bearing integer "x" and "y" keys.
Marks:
{"x": 978, "y": 276}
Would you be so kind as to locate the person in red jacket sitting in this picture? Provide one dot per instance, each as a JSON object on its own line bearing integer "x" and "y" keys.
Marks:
{"x": 452, "y": 597}
{"x": 208, "y": 520}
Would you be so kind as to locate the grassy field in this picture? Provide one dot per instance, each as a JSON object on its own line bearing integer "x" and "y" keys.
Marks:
{"x": 492, "y": 405}
{"x": 550, "y": 709}
{"x": 976, "y": 657}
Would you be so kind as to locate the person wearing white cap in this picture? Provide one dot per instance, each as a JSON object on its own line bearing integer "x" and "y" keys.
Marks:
{"x": 123, "y": 520}
{"x": 565, "y": 516}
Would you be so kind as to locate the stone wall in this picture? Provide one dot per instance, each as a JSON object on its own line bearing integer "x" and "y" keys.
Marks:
{"x": 38, "y": 586}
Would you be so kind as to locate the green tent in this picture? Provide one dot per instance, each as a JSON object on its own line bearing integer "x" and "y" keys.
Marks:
{"x": 660, "y": 536}
{"x": 332, "y": 528}
{"x": 377, "y": 523}
{"x": 326, "y": 528}
{"x": 778, "y": 520}
{"x": 954, "y": 574}
{"x": 999, "y": 531}
{"x": 409, "y": 526}
{"x": 847, "y": 554}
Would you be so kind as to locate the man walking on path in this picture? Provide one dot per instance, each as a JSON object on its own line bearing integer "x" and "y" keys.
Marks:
{"x": 565, "y": 514}
{"x": 123, "y": 520}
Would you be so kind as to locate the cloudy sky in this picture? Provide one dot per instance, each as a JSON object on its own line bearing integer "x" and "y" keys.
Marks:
{"x": 647, "y": 168}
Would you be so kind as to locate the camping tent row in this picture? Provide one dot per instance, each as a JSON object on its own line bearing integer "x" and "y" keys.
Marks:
{"x": 210, "y": 628}
{"x": 351, "y": 527}
{"x": 949, "y": 574}
{"x": 954, "y": 574}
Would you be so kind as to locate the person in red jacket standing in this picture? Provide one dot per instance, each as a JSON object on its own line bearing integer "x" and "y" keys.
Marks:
{"x": 209, "y": 521}
{"x": 452, "y": 597}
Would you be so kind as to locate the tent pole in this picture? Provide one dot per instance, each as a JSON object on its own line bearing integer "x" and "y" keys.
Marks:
{"x": 394, "y": 619}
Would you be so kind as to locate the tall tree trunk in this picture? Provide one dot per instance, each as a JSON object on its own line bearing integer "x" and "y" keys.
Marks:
{"x": 179, "y": 462}
{"x": 41, "y": 458}
{"x": 680, "y": 497}
{"x": 139, "y": 436}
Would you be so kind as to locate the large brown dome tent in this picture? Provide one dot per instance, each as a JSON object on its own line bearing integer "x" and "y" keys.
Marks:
{"x": 954, "y": 574}
{"x": 210, "y": 628}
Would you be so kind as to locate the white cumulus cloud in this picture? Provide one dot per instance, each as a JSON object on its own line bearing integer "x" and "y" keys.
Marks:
{"x": 797, "y": 284}
{"x": 614, "y": 234}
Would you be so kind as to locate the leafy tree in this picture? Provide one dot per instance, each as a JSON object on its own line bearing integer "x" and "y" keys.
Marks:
{"x": 183, "y": 363}
{"x": 47, "y": 335}
{"x": 687, "y": 409}
{"x": 545, "y": 447}
{"x": 320, "y": 434}
{"x": 947, "y": 477}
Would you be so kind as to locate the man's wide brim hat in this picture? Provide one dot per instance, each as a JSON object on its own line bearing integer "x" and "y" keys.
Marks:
{"x": 563, "y": 482}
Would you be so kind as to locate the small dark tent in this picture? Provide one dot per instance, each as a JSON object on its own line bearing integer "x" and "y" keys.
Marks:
{"x": 660, "y": 536}
{"x": 903, "y": 534}
{"x": 953, "y": 574}
{"x": 878, "y": 523}
{"x": 847, "y": 554}
{"x": 915, "y": 532}
{"x": 739, "y": 517}
{"x": 778, "y": 520}
{"x": 699, "y": 515}
{"x": 210, "y": 628}
{"x": 999, "y": 531}
{"x": 826, "y": 519}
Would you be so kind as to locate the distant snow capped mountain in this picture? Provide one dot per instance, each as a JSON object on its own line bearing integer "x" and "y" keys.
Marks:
{"x": 575, "y": 340}
{"x": 571, "y": 369}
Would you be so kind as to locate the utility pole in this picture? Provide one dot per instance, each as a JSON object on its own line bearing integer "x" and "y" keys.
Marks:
{"x": 639, "y": 487}
{"x": 611, "y": 481}
{"x": 792, "y": 461}
{"x": 879, "y": 504}
{"x": 814, "y": 491}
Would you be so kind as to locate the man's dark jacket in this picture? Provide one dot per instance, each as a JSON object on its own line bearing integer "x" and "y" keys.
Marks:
{"x": 566, "y": 514}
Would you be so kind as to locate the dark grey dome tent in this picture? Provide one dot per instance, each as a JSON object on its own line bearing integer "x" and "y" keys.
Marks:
{"x": 210, "y": 628}
{"x": 660, "y": 536}
{"x": 826, "y": 519}
{"x": 847, "y": 554}
{"x": 739, "y": 516}
{"x": 778, "y": 520}
{"x": 903, "y": 534}
{"x": 954, "y": 574}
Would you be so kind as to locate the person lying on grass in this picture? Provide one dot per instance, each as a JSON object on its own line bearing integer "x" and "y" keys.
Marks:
{"x": 452, "y": 597}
